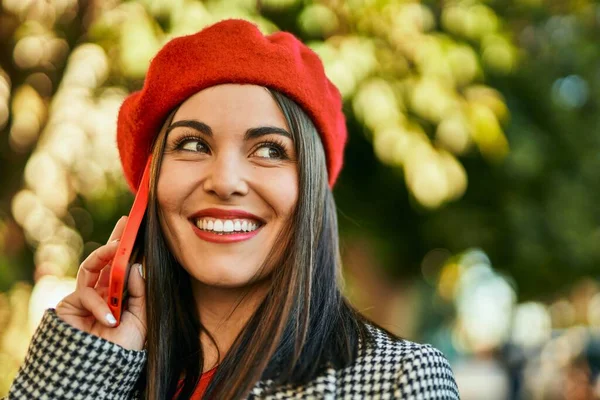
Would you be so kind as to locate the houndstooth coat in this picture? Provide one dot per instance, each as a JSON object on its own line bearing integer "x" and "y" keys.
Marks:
{"x": 65, "y": 363}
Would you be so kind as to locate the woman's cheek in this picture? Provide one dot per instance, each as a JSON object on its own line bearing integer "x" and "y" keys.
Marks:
{"x": 176, "y": 181}
{"x": 282, "y": 190}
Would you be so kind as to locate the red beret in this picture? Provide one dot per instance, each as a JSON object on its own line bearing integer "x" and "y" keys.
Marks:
{"x": 231, "y": 51}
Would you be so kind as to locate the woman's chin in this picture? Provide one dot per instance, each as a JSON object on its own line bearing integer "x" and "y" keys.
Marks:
{"x": 224, "y": 280}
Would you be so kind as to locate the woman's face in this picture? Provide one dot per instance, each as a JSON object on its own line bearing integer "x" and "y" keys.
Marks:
{"x": 228, "y": 183}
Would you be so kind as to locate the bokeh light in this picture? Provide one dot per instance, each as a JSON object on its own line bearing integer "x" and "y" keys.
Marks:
{"x": 468, "y": 200}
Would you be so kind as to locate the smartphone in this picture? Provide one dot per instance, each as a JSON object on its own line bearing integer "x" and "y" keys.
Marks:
{"x": 128, "y": 249}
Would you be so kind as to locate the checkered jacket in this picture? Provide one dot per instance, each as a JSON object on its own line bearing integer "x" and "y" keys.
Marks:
{"x": 65, "y": 363}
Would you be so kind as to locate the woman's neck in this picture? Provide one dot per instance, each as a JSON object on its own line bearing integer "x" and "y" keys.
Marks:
{"x": 223, "y": 313}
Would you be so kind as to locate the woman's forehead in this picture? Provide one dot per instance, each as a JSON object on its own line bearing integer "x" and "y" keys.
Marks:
{"x": 232, "y": 106}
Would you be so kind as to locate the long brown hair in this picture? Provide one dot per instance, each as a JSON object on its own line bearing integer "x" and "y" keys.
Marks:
{"x": 303, "y": 325}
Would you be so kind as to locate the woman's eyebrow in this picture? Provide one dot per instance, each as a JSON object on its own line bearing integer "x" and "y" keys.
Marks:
{"x": 251, "y": 133}
{"x": 192, "y": 123}
{"x": 254, "y": 133}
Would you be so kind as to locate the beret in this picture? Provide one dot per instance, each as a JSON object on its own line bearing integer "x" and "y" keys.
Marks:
{"x": 230, "y": 51}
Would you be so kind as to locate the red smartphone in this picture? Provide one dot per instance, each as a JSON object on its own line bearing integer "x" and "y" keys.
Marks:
{"x": 127, "y": 251}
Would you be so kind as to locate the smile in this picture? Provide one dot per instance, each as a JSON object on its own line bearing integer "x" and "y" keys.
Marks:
{"x": 225, "y": 226}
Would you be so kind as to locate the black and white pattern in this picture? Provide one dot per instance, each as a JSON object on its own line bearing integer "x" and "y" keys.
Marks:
{"x": 389, "y": 370}
{"x": 65, "y": 363}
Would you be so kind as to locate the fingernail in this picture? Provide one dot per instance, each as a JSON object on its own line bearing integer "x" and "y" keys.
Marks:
{"x": 138, "y": 266}
{"x": 111, "y": 319}
{"x": 115, "y": 240}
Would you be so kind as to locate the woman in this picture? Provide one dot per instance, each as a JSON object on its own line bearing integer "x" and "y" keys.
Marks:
{"x": 241, "y": 258}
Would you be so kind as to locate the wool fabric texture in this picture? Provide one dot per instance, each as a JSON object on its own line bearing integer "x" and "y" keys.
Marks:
{"x": 230, "y": 51}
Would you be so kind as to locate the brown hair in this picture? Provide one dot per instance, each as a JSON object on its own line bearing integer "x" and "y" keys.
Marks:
{"x": 303, "y": 325}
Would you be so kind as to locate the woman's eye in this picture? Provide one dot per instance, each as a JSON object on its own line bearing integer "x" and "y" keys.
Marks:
{"x": 193, "y": 145}
{"x": 269, "y": 151}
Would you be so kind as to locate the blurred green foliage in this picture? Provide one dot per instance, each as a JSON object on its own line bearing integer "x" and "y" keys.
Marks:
{"x": 413, "y": 77}
{"x": 472, "y": 124}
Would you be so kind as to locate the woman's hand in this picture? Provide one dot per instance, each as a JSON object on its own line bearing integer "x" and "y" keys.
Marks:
{"x": 86, "y": 308}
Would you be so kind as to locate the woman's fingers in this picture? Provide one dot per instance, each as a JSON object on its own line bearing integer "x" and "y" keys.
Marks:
{"x": 91, "y": 301}
{"x": 95, "y": 263}
{"x": 104, "y": 276}
{"x": 90, "y": 268}
{"x": 136, "y": 287}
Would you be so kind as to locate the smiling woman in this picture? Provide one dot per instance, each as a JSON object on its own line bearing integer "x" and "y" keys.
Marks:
{"x": 229, "y": 159}
{"x": 238, "y": 293}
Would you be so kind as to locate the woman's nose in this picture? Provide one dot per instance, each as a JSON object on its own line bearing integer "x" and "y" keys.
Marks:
{"x": 225, "y": 177}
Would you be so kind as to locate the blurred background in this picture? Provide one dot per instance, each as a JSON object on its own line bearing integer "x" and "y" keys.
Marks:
{"x": 468, "y": 201}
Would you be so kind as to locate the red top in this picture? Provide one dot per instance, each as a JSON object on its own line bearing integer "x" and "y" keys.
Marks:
{"x": 202, "y": 385}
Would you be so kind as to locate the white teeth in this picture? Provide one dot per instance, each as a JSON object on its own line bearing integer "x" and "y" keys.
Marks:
{"x": 226, "y": 225}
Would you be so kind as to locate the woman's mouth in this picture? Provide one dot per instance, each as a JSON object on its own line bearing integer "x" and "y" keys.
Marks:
{"x": 227, "y": 226}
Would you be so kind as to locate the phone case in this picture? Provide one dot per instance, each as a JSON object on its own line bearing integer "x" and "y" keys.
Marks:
{"x": 119, "y": 271}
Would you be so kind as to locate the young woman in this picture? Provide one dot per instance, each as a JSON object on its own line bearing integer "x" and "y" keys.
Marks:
{"x": 238, "y": 291}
